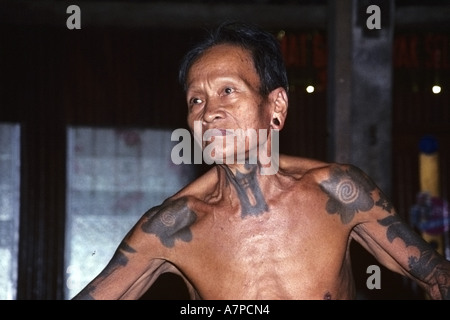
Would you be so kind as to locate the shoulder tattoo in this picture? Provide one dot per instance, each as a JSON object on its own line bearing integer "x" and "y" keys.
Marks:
{"x": 170, "y": 221}
{"x": 349, "y": 191}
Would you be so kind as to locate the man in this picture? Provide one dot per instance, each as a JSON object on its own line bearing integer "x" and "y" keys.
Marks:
{"x": 241, "y": 231}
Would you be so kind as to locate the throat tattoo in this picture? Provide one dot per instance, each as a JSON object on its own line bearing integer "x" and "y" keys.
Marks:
{"x": 248, "y": 190}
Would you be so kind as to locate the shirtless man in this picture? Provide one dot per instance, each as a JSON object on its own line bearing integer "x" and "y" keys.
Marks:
{"x": 235, "y": 233}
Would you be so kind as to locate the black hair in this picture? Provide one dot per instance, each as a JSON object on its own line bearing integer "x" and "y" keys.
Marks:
{"x": 264, "y": 48}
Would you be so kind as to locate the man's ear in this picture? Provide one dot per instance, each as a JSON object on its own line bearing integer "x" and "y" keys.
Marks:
{"x": 279, "y": 102}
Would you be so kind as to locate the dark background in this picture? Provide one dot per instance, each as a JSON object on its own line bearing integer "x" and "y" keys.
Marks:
{"x": 121, "y": 70}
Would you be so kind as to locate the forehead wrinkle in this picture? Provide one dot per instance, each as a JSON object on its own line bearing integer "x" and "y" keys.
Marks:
{"x": 216, "y": 65}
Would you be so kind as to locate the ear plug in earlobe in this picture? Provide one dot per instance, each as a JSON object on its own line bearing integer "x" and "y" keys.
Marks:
{"x": 276, "y": 121}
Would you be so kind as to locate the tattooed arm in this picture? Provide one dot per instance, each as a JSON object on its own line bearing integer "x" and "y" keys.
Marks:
{"x": 139, "y": 259}
{"x": 379, "y": 229}
{"x": 402, "y": 250}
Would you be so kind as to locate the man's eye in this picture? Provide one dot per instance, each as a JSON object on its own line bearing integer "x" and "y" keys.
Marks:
{"x": 228, "y": 90}
{"x": 196, "y": 101}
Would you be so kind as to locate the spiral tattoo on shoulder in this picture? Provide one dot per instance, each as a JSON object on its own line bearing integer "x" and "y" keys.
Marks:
{"x": 170, "y": 221}
{"x": 349, "y": 192}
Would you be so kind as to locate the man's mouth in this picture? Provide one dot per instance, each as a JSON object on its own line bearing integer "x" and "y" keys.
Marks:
{"x": 209, "y": 133}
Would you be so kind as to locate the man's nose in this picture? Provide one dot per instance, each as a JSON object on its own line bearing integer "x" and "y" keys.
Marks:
{"x": 213, "y": 111}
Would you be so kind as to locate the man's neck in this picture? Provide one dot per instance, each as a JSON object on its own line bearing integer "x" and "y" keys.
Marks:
{"x": 244, "y": 180}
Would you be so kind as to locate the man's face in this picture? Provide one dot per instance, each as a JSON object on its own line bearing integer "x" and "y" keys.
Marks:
{"x": 223, "y": 94}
